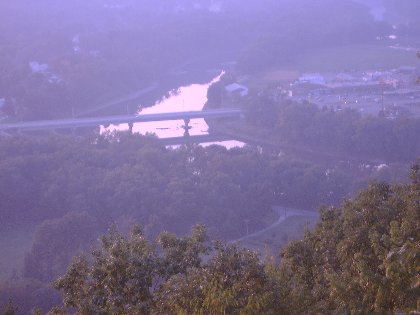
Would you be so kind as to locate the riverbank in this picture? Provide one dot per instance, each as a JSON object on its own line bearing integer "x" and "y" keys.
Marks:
{"x": 199, "y": 70}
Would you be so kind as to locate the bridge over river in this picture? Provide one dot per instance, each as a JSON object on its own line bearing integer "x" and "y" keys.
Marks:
{"x": 115, "y": 120}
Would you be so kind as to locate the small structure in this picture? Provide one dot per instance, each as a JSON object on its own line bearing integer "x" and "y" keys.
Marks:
{"x": 312, "y": 78}
{"x": 236, "y": 89}
{"x": 37, "y": 67}
{"x": 44, "y": 69}
{"x": 76, "y": 43}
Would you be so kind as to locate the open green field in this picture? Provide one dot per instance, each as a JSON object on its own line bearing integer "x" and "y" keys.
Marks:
{"x": 14, "y": 244}
{"x": 348, "y": 58}
{"x": 354, "y": 58}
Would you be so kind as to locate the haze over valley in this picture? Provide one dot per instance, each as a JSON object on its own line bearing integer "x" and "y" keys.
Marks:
{"x": 209, "y": 156}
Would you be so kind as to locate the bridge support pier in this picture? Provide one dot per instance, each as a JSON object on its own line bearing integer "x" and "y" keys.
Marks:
{"x": 130, "y": 127}
{"x": 186, "y": 127}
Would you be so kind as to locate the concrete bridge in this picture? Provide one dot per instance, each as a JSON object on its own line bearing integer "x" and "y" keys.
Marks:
{"x": 130, "y": 119}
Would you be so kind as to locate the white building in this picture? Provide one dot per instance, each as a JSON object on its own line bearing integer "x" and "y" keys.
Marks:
{"x": 236, "y": 88}
{"x": 313, "y": 78}
{"x": 37, "y": 67}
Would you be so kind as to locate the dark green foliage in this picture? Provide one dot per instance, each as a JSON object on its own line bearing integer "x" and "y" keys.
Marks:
{"x": 36, "y": 311}
{"x": 214, "y": 95}
{"x": 345, "y": 131}
{"x": 131, "y": 178}
{"x": 56, "y": 242}
{"x": 233, "y": 281}
{"x": 70, "y": 189}
{"x": 180, "y": 254}
{"x": 118, "y": 281}
{"x": 10, "y": 309}
{"x": 122, "y": 275}
{"x": 129, "y": 275}
{"x": 27, "y": 294}
{"x": 361, "y": 258}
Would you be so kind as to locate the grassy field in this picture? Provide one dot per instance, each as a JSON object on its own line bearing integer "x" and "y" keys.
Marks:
{"x": 360, "y": 57}
{"x": 354, "y": 58}
{"x": 14, "y": 244}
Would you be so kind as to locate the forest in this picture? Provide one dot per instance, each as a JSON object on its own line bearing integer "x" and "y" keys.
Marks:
{"x": 361, "y": 258}
{"x": 114, "y": 222}
{"x": 61, "y": 186}
{"x": 345, "y": 132}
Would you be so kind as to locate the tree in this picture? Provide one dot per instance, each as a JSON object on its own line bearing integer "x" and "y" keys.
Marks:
{"x": 10, "y": 309}
{"x": 214, "y": 95}
{"x": 232, "y": 282}
{"x": 121, "y": 276}
{"x": 56, "y": 242}
{"x": 179, "y": 254}
{"x": 118, "y": 281}
{"x": 362, "y": 257}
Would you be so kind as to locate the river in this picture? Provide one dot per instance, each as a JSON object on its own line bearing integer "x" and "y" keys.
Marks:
{"x": 191, "y": 97}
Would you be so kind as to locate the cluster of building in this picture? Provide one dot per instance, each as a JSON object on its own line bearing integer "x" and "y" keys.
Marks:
{"x": 391, "y": 93}
{"x": 44, "y": 69}
{"x": 403, "y": 77}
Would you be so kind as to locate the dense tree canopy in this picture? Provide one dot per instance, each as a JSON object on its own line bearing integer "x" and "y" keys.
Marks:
{"x": 361, "y": 258}
{"x": 64, "y": 192}
{"x": 345, "y": 131}
{"x": 126, "y": 177}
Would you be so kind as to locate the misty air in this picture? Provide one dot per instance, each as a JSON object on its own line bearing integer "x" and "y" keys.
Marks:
{"x": 209, "y": 157}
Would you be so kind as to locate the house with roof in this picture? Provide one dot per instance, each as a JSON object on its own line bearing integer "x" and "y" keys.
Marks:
{"x": 236, "y": 89}
{"x": 312, "y": 78}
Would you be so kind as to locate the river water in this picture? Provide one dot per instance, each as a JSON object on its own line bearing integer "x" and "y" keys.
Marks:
{"x": 186, "y": 98}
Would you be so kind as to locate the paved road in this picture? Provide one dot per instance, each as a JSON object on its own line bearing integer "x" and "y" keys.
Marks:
{"x": 283, "y": 213}
{"x": 97, "y": 121}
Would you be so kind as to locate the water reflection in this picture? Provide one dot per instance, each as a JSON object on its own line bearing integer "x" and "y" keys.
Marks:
{"x": 186, "y": 98}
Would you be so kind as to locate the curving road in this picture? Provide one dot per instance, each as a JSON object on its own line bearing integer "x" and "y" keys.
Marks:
{"x": 283, "y": 213}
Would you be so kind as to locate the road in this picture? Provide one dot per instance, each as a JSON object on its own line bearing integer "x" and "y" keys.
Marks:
{"x": 283, "y": 213}
{"x": 97, "y": 121}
